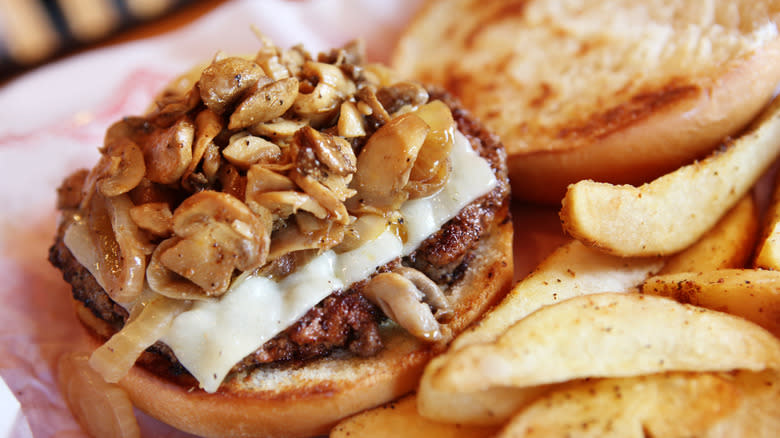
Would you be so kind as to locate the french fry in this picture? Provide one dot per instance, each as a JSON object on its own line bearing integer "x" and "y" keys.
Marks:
{"x": 729, "y": 244}
{"x": 663, "y": 405}
{"x": 749, "y": 293}
{"x": 609, "y": 335}
{"x": 400, "y": 418}
{"x": 768, "y": 252}
{"x": 672, "y": 212}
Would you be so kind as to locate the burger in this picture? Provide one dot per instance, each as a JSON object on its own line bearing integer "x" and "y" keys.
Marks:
{"x": 283, "y": 240}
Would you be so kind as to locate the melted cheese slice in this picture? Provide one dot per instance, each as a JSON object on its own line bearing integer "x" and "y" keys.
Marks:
{"x": 213, "y": 336}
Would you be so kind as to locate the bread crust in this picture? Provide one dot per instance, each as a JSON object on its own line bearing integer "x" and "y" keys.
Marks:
{"x": 623, "y": 123}
{"x": 308, "y": 400}
{"x": 640, "y": 150}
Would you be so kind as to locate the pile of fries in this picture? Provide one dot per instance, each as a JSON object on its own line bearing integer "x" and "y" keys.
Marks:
{"x": 661, "y": 317}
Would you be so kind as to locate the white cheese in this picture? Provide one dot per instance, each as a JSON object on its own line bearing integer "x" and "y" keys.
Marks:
{"x": 213, "y": 336}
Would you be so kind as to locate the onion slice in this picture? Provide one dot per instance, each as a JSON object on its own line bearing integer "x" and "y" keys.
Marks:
{"x": 103, "y": 409}
{"x": 114, "y": 359}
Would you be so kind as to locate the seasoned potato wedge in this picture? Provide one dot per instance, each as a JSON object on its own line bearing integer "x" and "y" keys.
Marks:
{"x": 609, "y": 335}
{"x": 728, "y": 244}
{"x": 670, "y": 213}
{"x": 400, "y": 419}
{"x": 571, "y": 270}
{"x": 662, "y": 405}
{"x": 768, "y": 252}
{"x": 749, "y": 293}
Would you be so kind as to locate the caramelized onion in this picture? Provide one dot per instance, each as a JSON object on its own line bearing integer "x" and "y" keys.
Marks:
{"x": 121, "y": 247}
{"x": 432, "y": 168}
{"x": 365, "y": 229}
{"x": 114, "y": 359}
{"x": 103, "y": 409}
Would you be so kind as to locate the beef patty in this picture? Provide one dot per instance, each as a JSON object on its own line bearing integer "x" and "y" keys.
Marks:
{"x": 345, "y": 319}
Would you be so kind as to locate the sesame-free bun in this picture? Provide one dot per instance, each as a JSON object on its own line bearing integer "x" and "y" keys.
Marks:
{"x": 620, "y": 91}
{"x": 307, "y": 400}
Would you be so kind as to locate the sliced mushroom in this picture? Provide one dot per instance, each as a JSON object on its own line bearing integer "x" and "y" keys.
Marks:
{"x": 244, "y": 150}
{"x": 266, "y": 103}
{"x": 215, "y": 234}
{"x": 261, "y": 179}
{"x": 212, "y": 160}
{"x": 334, "y": 152}
{"x": 400, "y": 94}
{"x": 294, "y": 59}
{"x": 154, "y": 217}
{"x": 308, "y": 232}
{"x": 402, "y": 302}
{"x": 268, "y": 57}
{"x": 225, "y": 81}
{"x": 371, "y": 106}
{"x": 351, "y": 123}
{"x": 122, "y": 167}
{"x": 323, "y": 169}
{"x": 168, "y": 283}
{"x": 286, "y": 203}
{"x": 273, "y": 66}
{"x": 277, "y": 129}
{"x": 172, "y": 108}
{"x": 330, "y": 90}
{"x": 134, "y": 128}
{"x": 232, "y": 181}
{"x": 168, "y": 152}
{"x": 207, "y": 126}
{"x": 386, "y": 161}
{"x": 325, "y": 196}
{"x": 432, "y": 294}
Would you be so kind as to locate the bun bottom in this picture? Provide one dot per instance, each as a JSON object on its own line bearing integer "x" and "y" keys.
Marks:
{"x": 307, "y": 400}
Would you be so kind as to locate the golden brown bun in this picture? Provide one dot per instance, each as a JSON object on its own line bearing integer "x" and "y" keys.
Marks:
{"x": 309, "y": 400}
{"x": 617, "y": 91}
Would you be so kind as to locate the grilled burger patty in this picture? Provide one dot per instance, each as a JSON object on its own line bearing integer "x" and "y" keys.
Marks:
{"x": 345, "y": 319}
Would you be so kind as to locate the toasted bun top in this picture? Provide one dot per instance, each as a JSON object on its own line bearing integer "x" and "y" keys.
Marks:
{"x": 619, "y": 91}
